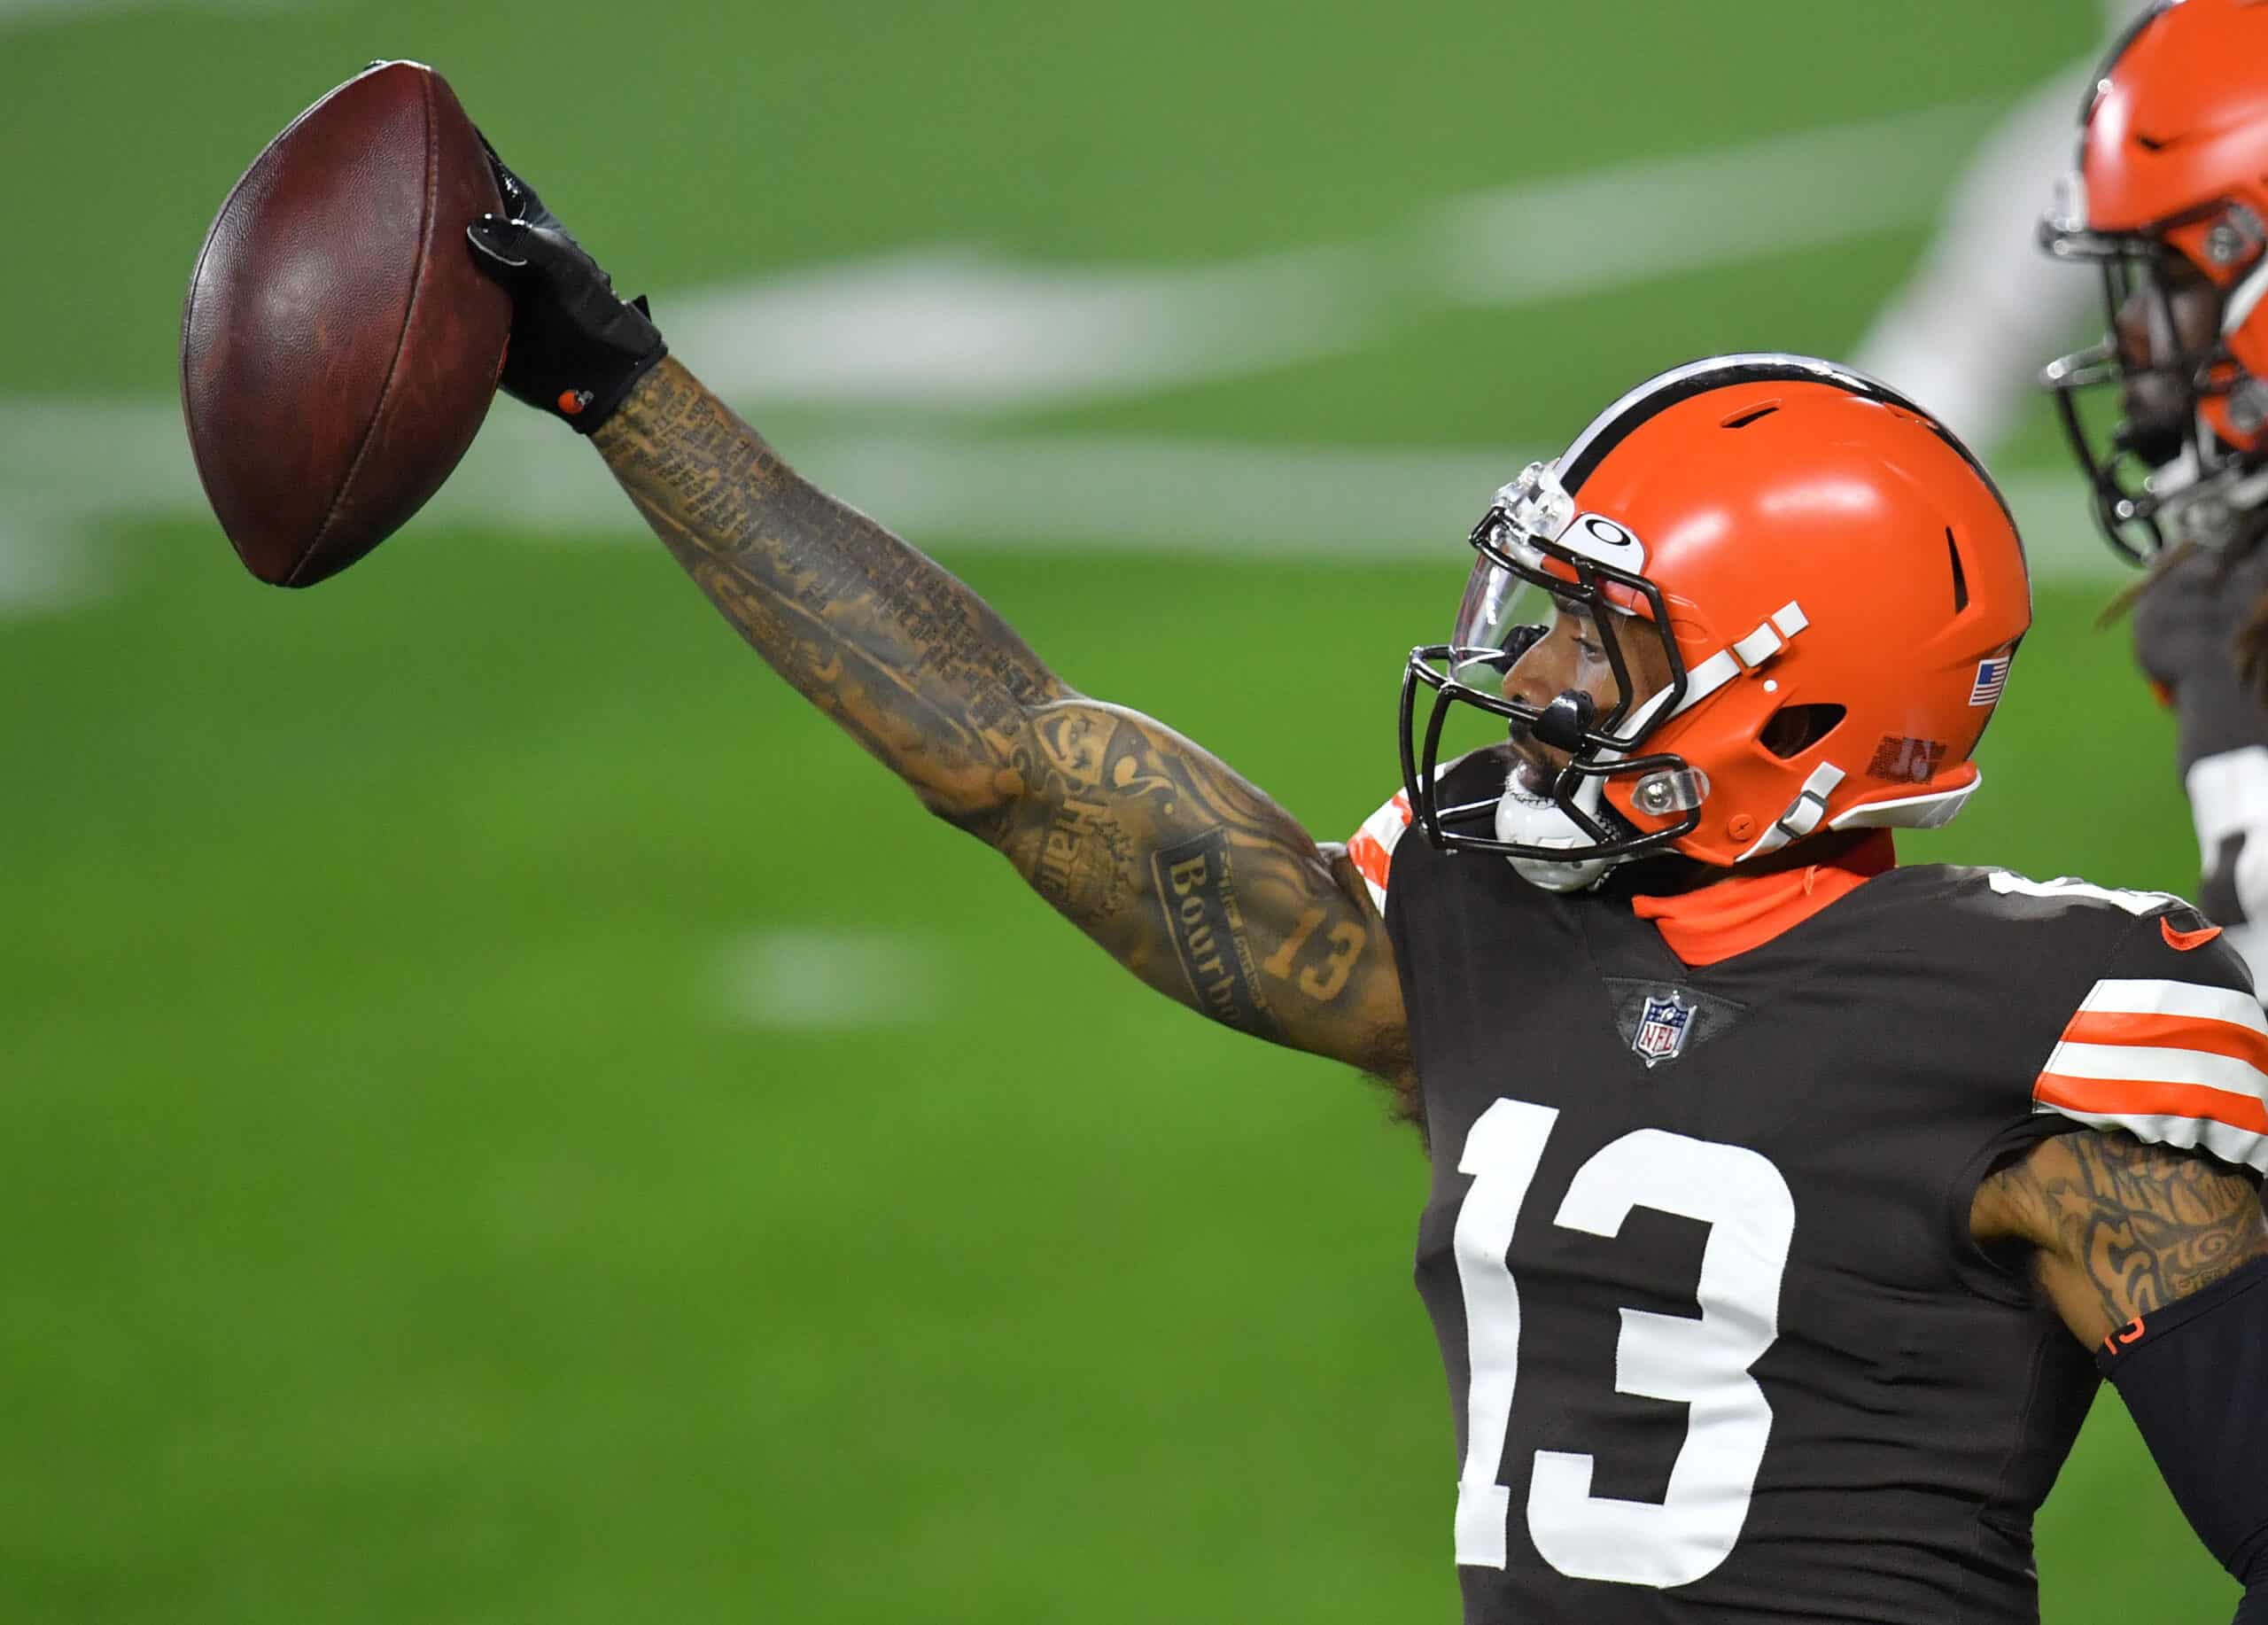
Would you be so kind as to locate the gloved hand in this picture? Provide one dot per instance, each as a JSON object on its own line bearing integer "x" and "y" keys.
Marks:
{"x": 578, "y": 349}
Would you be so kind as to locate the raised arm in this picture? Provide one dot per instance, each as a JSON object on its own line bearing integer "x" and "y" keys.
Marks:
{"x": 1181, "y": 870}
{"x": 1185, "y": 872}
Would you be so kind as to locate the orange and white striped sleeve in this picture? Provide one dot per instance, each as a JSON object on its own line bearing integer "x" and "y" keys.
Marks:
{"x": 2172, "y": 1061}
{"x": 1371, "y": 847}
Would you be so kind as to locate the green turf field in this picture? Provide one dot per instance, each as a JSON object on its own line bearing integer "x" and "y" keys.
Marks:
{"x": 417, "y": 1208}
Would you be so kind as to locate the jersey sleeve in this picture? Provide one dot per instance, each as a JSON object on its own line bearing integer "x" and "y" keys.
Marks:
{"x": 2170, "y": 1045}
{"x": 1371, "y": 847}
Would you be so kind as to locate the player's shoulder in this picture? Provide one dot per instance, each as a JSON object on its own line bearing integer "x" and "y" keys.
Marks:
{"x": 2159, "y": 1034}
{"x": 1966, "y": 898}
{"x": 2060, "y": 927}
{"x": 2040, "y": 942}
{"x": 1469, "y": 781}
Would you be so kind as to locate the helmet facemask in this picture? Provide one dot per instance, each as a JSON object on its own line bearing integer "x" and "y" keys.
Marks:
{"x": 1543, "y": 568}
{"x": 2185, "y": 452}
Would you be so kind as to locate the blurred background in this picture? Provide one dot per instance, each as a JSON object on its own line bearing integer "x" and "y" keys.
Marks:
{"x": 508, "y": 1117}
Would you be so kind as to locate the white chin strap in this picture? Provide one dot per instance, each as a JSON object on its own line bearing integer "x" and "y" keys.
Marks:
{"x": 1538, "y": 821}
{"x": 1534, "y": 821}
{"x": 2204, "y": 505}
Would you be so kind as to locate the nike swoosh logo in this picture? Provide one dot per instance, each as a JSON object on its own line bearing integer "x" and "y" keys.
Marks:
{"x": 2182, "y": 942}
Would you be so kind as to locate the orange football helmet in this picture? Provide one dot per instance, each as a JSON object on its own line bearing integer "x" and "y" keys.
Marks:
{"x": 2171, "y": 199}
{"x": 1807, "y": 545}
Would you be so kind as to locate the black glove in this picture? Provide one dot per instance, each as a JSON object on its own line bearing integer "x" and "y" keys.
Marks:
{"x": 576, "y": 349}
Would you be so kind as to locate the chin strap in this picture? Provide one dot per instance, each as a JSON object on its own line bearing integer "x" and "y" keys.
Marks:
{"x": 1805, "y": 813}
{"x": 1534, "y": 821}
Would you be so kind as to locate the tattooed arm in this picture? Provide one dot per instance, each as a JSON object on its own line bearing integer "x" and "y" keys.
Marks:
{"x": 1184, "y": 873}
{"x": 2122, "y": 1228}
{"x": 2152, "y": 1256}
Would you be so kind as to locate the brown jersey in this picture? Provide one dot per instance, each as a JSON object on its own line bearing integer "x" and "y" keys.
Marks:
{"x": 1719, "y": 1345}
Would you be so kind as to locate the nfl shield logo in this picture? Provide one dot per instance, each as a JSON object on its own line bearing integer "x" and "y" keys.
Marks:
{"x": 1662, "y": 1027}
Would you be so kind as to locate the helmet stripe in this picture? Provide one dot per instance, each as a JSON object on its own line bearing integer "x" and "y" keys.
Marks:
{"x": 2111, "y": 58}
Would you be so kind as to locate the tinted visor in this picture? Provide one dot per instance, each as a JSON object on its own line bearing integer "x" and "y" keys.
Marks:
{"x": 1556, "y": 643}
{"x": 1524, "y": 592}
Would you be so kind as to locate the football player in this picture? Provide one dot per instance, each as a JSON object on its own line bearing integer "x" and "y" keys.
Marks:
{"x": 1965, "y": 329}
{"x": 1786, "y": 1202}
{"x": 2169, "y": 201}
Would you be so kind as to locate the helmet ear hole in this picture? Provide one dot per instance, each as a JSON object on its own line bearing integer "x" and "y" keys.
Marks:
{"x": 1795, "y": 729}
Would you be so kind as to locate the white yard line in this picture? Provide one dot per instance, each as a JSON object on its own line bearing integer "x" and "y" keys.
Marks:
{"x": 46, "y": 563}
{"x": 80, "y": 463}
{"x": 1612, "y": 228}
{"x": 939, "y": 332}
{"x": 1131, "y": 494}
{"x": 967, "y": 330}
{"x": 818, "y": 978}
{"x": 964, "y": 329}
{"x": 65, "y": 467}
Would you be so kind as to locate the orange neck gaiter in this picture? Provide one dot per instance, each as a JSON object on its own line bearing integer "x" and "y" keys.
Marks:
{"x": 1741, "y": 911}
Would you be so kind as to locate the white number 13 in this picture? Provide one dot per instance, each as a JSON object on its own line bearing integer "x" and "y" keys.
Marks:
{"x": 1702, "y": 1363}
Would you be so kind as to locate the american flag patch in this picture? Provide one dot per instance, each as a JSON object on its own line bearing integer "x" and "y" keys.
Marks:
{"x": 1992, "y": 677}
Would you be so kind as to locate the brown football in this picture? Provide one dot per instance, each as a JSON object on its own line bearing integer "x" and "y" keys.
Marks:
{"x": 340, "y": 348}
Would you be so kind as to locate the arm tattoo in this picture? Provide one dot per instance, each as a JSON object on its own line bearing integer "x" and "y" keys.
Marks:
{"x": 905, "y": 657}
{"x": 1188, "y": 875}
{"x": 2124, "y": 1228}
{"x": 1203, "y": 887}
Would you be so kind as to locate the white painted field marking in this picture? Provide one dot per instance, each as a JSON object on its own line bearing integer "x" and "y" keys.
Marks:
{"x": 69, "y": 466}
{"x": 1611, "y": 228}
{"x": 951, "y": 331}
{"x": 963, "y": 330}
{"x": 46, "y": 563}
{"x": 830, "y": 980}
{"x": 1227, "y": 498}
{"x": 1134, "y": 494}
{"x": 65, "y": 467}
{"x": 966, "y": 330}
